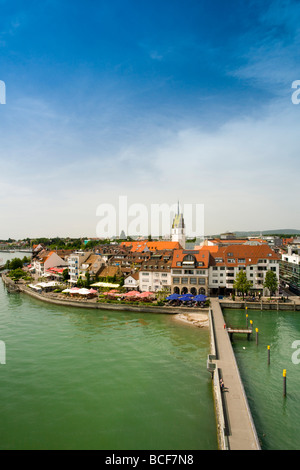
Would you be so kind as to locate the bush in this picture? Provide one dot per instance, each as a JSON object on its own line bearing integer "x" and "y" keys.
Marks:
{"x": 17, "y": 274}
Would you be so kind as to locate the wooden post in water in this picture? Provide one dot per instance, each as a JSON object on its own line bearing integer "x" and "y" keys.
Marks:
{"x": 256, "y": 335}
{"x": 247, "y": 320}
{"x": 284, "y": 382}
{"x": 268, "y": 355}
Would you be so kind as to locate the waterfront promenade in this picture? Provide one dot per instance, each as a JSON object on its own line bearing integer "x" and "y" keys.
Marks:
{"x": 240, "y": 429}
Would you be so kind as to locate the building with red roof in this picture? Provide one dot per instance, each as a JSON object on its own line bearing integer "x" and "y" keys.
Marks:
{"x": 227, "y": 261}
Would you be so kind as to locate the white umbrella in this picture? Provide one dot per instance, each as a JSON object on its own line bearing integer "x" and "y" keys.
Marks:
{"x": 83, "y": 291}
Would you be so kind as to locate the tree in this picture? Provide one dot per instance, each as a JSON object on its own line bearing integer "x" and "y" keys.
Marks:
{"x": 17, "y": 274}
{"x": 87, "y": 279}
{"x": 241, "y": 283}
{"x": 15, "y": 263}
{"x": 271, "y": 282}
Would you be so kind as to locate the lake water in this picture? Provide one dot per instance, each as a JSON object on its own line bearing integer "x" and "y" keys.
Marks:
{"x": 85, "y": 379}
{"x": 277, "y": 418}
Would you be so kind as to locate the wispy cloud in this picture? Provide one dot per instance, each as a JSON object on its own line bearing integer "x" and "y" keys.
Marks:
{"x": 270, "y": 51}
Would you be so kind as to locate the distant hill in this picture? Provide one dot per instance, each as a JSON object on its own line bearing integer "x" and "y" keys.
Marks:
{"x": 269, "y": 232}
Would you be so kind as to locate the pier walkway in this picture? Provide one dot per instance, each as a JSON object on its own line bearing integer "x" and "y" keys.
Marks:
{"x": 240, "y": 429}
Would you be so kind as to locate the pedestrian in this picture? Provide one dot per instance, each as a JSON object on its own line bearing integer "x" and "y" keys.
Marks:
{"x": 221, "y": 384}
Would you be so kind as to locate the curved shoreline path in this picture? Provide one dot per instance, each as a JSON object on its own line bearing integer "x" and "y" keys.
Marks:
{"x": 241, "y": 430}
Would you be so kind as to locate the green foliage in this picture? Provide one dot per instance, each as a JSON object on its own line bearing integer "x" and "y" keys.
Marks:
{"x": 271, "y": 282}
{"x": 241, "y": 283}
{"x": 87, "y": 281}
{"x": 17, "y": 274}
{"x": 14, "y": 263}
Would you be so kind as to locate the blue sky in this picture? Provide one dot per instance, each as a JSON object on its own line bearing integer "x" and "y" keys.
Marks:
{"x": 158, "y": 101}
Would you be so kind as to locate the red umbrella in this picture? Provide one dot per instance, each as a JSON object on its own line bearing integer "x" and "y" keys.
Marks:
{"x": 146, "y": 294}
{"x": 132, "y": 293}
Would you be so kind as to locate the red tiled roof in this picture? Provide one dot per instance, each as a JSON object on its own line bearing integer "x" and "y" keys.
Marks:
{"x": 202, "y": 257}
{"x": 250, "y": 253}
{"x": 140, "y": 246}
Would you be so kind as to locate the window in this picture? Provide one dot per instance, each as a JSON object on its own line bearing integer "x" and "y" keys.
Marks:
{"x": 231, "y": 260}
{"x": 189, "y": 258}
{"x": 193, "y": 280}
{"x": 176, "y": 280}
{"x": 241, "y": 260}
{"x": 184, "y": 280}
{"x": 201, "y": 281}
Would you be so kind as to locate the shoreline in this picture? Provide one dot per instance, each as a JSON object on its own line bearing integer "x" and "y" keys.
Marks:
{"x": 199, "y": 320}
{"x": 192, "y": 316}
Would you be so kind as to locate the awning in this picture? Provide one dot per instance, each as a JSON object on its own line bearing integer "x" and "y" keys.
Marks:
{"x": 104, "y": 284}
{"x": 47, "y": 284}
{"x": 34, "y": 287}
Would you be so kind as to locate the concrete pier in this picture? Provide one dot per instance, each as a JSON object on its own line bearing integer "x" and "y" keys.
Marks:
{"x": 236, "y": 427}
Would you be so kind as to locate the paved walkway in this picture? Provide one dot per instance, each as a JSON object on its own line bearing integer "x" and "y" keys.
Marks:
{"x": 242, "y": 433}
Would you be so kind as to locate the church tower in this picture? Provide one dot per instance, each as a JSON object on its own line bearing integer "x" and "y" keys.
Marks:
{"x": 178, "y": 229}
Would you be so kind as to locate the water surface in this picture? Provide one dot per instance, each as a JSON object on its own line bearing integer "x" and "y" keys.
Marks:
{"x": 277, "y": 418}
{"x": 85, "y": 379}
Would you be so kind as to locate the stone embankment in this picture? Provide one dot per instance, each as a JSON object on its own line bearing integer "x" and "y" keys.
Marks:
{"x": 195, "y": 316}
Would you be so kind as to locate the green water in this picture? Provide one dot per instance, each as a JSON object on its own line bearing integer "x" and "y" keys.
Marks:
{"x": 84, "y": 379}
{"x": 277, "y": 418}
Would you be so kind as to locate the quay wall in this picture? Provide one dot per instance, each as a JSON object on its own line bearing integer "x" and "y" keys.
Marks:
{"x": 99, "y": 305}
{"x": 288, "y": 306}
